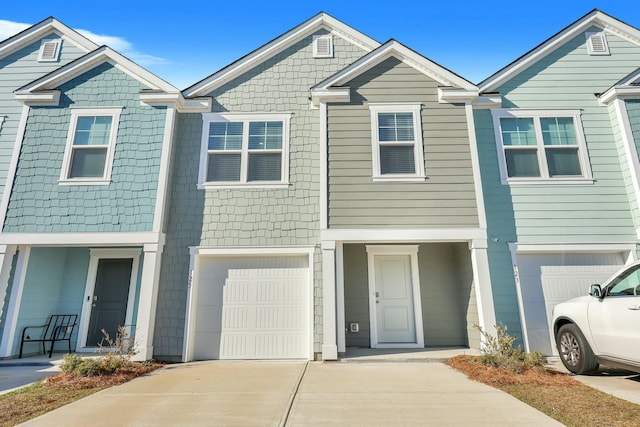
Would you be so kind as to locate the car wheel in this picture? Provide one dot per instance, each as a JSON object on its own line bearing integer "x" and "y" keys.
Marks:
{"x": 575, "y": 353}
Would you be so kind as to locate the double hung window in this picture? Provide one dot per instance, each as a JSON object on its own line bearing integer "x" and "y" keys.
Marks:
{"x": 90, "y": 144}
{"x": 397, "y": 142}
{"x": 540, "y": 145}
{"x": 244, "y": 149}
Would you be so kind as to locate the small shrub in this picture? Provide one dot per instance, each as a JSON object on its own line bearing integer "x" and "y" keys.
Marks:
{"x": 89, "y": 368}
{"x": 70, "y": 362}
{"x": 500, "y": 351}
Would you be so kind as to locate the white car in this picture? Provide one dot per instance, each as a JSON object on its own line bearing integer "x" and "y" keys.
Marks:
{"x": 602, "y": 327}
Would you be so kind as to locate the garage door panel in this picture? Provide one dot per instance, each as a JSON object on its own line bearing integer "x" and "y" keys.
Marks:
{"x": 264, "y": 306}
{"x": 548, "y": 279}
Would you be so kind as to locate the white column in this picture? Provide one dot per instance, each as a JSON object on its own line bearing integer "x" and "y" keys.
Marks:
{"x": 6, "y": 260}
{"x": 482, "y": 283}
{"x": 329, "y": 346}
{"x": 148, "y": 300}
{"x": 11, "y": 319}
{"x": 342, "y": 347}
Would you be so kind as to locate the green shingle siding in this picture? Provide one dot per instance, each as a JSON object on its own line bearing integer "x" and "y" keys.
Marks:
{"x": 128, "y": 202}
{"x": 248, "y": 217}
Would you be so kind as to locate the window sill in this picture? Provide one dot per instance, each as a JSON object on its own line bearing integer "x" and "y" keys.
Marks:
{"x": 81, "y": 181}
{"x": 399, "y": 178}
{"x": 244, "y": 185}
{"x": 549, "y": 181}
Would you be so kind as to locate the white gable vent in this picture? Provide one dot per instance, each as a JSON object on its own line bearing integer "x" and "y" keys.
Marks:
{"x": 323, "y": 46}
{"x": 597, "y": 43}
{"x": 49, "y": 51}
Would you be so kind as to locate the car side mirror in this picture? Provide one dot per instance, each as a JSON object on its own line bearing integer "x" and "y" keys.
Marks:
{"x": 595, "y": 290}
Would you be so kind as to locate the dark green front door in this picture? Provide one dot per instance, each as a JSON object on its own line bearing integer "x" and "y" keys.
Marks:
{"x": 109, "y": 299}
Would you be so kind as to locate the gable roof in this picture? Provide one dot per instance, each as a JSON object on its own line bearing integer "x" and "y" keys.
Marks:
{"x": 43, "y": 91}
{"x": 42, "y": 29}
{"x": 453, "y": 84}
{"x": 628, "y": 87}
{"x": 277, "y": 45}
{"x": 594, "y": 18}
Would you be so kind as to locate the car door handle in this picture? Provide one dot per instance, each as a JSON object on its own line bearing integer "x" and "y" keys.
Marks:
{"x": 634, "y": 307}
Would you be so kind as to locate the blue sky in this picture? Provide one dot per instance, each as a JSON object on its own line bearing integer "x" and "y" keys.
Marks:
{"x": 186, "y": 41}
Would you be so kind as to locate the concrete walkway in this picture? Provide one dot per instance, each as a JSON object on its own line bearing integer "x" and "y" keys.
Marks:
{"x": 225, "y": 393}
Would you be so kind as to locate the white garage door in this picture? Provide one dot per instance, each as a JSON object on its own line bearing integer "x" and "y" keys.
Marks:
{"x": 253, "y": 308}
{"x": 549, "y": 279}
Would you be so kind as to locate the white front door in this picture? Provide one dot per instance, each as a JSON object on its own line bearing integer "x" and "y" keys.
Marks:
{"x": 396, "y": 317}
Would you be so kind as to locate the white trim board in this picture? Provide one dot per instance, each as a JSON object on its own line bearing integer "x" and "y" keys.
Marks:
{"x": 319, "y": 21}
{"x": 197, "y": 254}
{"x": 95, "y": 256}
{"x": 81, "y": 239}
{"x": 42, "y": 29}
{"x": 594, "y": 18}
{"x": 393, "y": 48}
{"x": 402, "y": 250}
{"x": 405, "y": 235}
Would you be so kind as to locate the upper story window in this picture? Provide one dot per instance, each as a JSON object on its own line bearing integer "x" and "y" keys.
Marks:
{"x": 88, "y": 156}
{"x": 244, "y": 150}
{"x": 540, "y": 145}
{"x": 49, "y": 50}
{"x": 396, "y": 139}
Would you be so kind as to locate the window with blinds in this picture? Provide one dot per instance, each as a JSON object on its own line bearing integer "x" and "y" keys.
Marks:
{"x": 397, "y": 142}
{"x": 242, "y": 149}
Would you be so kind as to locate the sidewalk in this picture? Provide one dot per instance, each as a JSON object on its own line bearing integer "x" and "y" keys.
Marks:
{"x": 234, "y": 393}
{"x": 16, "y": 373}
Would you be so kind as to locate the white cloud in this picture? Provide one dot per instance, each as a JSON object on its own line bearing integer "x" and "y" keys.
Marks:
{"x": 120, "y": 44}
{"x": 9, "y": 28}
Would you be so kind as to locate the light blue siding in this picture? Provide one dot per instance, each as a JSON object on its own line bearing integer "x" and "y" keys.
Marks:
{"x": 54, "y": 284}
{"x": 594, "y": 212}
{"x": 16, "y": 70}
{"x": 128, "y": 202}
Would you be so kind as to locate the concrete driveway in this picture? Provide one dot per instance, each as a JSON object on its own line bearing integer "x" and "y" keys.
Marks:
{"x": 225, "y": 393}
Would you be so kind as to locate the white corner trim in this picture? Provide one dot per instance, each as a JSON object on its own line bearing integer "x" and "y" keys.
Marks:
{"x": 190, "y": 317}
{"x": 324, "y": 168}
{"x": 340, "y": 305}
{"x": 516, "y": 276}
{"x": 162, "y": 191}
{"x": 475, "y": 165}
{"x": 13, "y": 165}
{"x": 630, "y": 150}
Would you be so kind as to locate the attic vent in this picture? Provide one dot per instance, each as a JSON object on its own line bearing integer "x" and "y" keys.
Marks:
{"x": 597, "y": 43}
{"x": 49, "y": 51}
{"x": 323, "y": 46}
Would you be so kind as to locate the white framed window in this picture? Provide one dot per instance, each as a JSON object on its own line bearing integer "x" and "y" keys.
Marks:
{"x": 396, "y": 142}
{"x": 597, "y": 43}
{"x": 244, "y": 149}
{"x": 49, "y": 50}
{"x": 91, "y": 141}
{"x": 541, "y": 146}
{"x": 323, "y": 46}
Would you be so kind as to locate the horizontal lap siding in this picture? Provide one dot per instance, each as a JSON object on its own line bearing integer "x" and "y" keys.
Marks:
{"x": 633, "y": 112}
{"x": 597, "y": 212}
{"x": 445, "y": 200}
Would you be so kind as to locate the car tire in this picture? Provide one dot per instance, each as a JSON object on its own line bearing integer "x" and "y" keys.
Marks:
{"x": 574, "y": 350}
